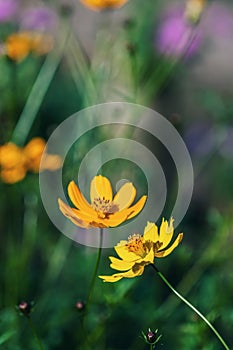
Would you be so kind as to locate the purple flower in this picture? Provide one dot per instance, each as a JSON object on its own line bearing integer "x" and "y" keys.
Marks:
{"x": 200, "y": 139}
{"x": 226, "y": 149}
{"x": 8, "y": 9}
{"x": 176, "y": 36}
{"x": 218, "y": 20}
{"x": 39, "y": 18}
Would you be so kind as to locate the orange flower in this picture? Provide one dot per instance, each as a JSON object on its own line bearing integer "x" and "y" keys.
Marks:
{"x": 18, "y": 46}
{"x": 13, "y": 163}
{"x": 33, "y": 152}
{"x": 104, "y": 210}
{"x": 103, "y": 4}
{"x": 16, "y": 161}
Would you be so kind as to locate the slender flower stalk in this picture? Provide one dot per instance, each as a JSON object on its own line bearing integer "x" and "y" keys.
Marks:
{"x": 31, "y": 324}
{"x": 191, "y": 306}
{"x": 92, "y": 285}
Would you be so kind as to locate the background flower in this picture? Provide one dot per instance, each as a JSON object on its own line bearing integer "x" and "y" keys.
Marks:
{"x": 8, "y": 9}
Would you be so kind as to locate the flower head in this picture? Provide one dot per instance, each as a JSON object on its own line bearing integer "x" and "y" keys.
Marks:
{"x": 103, "y": 4}
{"x": 104, "y": 209}
{"x": 16, "y": 161}
{"x": 175, "y": 35}
{"x": 139, "y": 251}
{"x": 19, "y": 45}
{"x": 41, "y": 18}
{"x": 12, "y": 163}
{"x": 8, "y": 9}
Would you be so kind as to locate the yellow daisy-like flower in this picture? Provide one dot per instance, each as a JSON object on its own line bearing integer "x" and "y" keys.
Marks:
{"x": 139, "y": 251}
{"x": 103, "y": 4}
{"x": 104, "y": 209}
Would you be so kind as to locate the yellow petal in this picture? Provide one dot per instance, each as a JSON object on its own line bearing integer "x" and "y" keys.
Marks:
{"x": 136, "y": 208}
{"x": 70, "y": 214}
{"x": 114, "y": 278}
{"x": 128, "y": 274}
{"x": 151, "y": 232}
{"x": 171, "y": 248}
{"x": 149, "y": 258}
{"x": 78, "y": 199}
{"x": 125, "y": 196}
{"x": 100, "y": 188}
{"x": 120, "y": 265}
{"x": 117, "y": 218}
{"x": 125, "y": 255}
{"x": 166, "y": 232}
{"x": 103, "y": 4}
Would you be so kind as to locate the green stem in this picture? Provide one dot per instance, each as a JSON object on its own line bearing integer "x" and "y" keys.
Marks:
{"x": 35, "y": 333}
{"x": 92, "y": 285}
{"x": 151, "y": 346}
{"x": 192, "y": 307}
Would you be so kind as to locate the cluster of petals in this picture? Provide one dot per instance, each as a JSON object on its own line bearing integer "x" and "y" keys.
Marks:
{"x": 141, "y": 250}
{"x": 99, "y": 5}
{"x": 15, "y": 161}
{"x": 20, "y": 44}
{"x": 105, "y": 210}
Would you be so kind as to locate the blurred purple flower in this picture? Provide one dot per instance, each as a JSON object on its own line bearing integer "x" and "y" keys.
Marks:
{"x": 218, "y": 20}
{"x": 8, "y": 9}
{"x": 176, "y": 36}
{"x": 227, "y": 147}
{"x": 39, "y": 18}
{"x": 200, "y": 139}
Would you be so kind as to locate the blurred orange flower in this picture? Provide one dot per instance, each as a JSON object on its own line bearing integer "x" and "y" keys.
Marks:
{"x": 12, "y": 163}
{"x": 33, "y": 152}
{"x": 19, "y": 45}
{"x": 103, "y": 4}
{"x": 16, "y": 161}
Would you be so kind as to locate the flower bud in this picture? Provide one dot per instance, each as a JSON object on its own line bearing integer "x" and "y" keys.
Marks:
{"x": 25, "y": 308}
{"x": 80, "y": 305}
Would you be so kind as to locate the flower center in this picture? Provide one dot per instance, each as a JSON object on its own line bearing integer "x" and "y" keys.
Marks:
{"x": 104, "y": 207}
{"x": 136, "y": 245}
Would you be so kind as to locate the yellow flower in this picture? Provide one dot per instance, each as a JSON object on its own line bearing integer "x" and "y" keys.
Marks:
{"x": 12, "y": 163}
{"x": 194, "y": 9}
{"x": 139, "y": 251}
{"x": 104, "y": 210}
{"x": 103, "y": 4}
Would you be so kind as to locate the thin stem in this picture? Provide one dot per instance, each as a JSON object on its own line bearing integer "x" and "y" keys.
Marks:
{"x": 35, "y": 333}
{"x": 151, "y": 346}
{"x": 92, "y": 285}
{"x": 191, "y": 306}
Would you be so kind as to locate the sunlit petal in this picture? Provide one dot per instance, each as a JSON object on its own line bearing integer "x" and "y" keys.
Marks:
{"x": 136, "y": 208}
{"x": 70, "y": 214}
{"x": 120, "y": 265}
{"x": 100, "y": 188}
{"x": 125, "y": 196}
{"x": 124, "y": 254}
{"x": 162, "y": 254}
{"x": 77, "y": 198}
{"x": 166, "y": 232}
{"x": 151, "y": 232}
